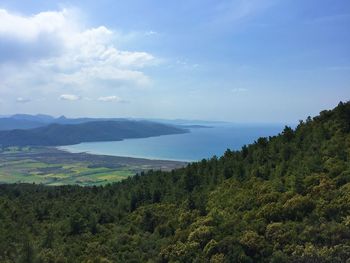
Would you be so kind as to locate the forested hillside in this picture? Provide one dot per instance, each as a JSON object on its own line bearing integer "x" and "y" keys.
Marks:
{"x": 66, "y": 134}
{"x": 281, "y": 199}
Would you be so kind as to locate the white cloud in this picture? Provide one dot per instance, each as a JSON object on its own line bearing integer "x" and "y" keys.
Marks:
{"x": 151, "y": 33}
{"x": 185, "y": 64}
{"x": 53, "y": 51}
{"x": 237, "y": 90}
{"x": 233, "y": 11}
{"x": 110, "y": 98}
{"x": 70, "y": 97}
{"x": 30, "y": 28}
{"x": 22, "y": 100}
{"x": 95, "y": 74}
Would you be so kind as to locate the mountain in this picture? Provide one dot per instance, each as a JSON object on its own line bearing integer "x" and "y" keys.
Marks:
{"x": 66, "y": 134}
{"x": 10, "y": 123}
{"x": 36, "y": 118}
{"x": 284, "y": 198}
{"x": 26, "y": 121}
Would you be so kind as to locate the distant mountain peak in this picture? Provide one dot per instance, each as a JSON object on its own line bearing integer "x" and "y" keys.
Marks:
{"x": 62, "y": 117}
{"x": 37, "y": 117}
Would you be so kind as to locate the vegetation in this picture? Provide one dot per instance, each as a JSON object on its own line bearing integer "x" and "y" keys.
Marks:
{"x": 26, "y": 121}
{"x": 66, "y": 134}
{"x": 51, "y": 166}
{"x": 281, "y": 199}
{"x": 11, "y": 124}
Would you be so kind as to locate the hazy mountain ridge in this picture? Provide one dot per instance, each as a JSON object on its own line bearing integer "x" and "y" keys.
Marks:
{"x": 27, "y": 121}
{"x": 10, "y": 123}
{"x": 65, "y": 134}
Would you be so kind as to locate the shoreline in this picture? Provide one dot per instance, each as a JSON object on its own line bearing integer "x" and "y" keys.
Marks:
{"x": 128, "y": 157}
{"x": 52, "y": 166}
{"x": 120, "y": 159}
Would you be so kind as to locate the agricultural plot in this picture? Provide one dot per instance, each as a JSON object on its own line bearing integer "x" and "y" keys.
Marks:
{"x": 50, "y": 166}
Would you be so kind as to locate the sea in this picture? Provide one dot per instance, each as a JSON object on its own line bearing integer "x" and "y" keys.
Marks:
{"x": 199, "y": 143}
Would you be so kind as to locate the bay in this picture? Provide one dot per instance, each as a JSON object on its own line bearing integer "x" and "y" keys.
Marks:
{"x": 199, "y": 143}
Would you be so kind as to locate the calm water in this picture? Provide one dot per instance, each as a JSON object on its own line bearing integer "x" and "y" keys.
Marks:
{"x": 196, "y": 145}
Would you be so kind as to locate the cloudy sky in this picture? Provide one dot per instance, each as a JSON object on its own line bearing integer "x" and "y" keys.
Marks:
{"x": 234, "y": 60}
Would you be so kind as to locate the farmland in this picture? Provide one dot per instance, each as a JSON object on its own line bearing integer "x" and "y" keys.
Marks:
{"x": 50, "y": 166}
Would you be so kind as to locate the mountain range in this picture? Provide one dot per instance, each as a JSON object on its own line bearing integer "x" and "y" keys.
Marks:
{"x": 27, "y": 121}
{"x": 62, "y": 131}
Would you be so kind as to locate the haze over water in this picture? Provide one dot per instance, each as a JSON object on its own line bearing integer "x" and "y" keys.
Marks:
{"x": 198, "y": 144}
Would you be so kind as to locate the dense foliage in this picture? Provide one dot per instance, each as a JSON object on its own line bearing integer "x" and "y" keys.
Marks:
{"x": 65, "y": 134}
{"x": 282, "y": 199}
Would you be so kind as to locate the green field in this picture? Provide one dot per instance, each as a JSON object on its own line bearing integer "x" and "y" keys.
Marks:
{"x": 50, "y": 166}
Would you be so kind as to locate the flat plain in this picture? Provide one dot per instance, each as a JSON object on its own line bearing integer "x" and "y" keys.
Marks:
{"x": 51, "y": 166}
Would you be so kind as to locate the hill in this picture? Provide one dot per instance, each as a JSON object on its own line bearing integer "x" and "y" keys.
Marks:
{"x": 66, "y": 134}
{"x": 11, "y": 124}
{"x": 281, "y": 199}
{"x": 36, "y": 118}
{"x": 26, "y": 121}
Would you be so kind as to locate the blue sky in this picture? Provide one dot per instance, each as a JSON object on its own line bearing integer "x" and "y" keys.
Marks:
{"x": 233, "y": 60}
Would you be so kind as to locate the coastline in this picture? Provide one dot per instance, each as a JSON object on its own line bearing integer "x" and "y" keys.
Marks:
{"x": 52, "y": 166}
{"x": 123, "y": 159}
{"x": 136, "y": 157}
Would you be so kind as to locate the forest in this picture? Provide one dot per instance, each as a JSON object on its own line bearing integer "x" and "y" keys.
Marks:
{"x": 56, "y": 134}
{"x": 280, "y": 199}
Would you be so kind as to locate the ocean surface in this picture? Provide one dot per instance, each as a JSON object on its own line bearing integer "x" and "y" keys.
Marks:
{"x": 198, "y": 144}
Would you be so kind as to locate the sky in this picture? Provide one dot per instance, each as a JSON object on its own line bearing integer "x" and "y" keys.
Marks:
{"x": 266, "y": 61}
